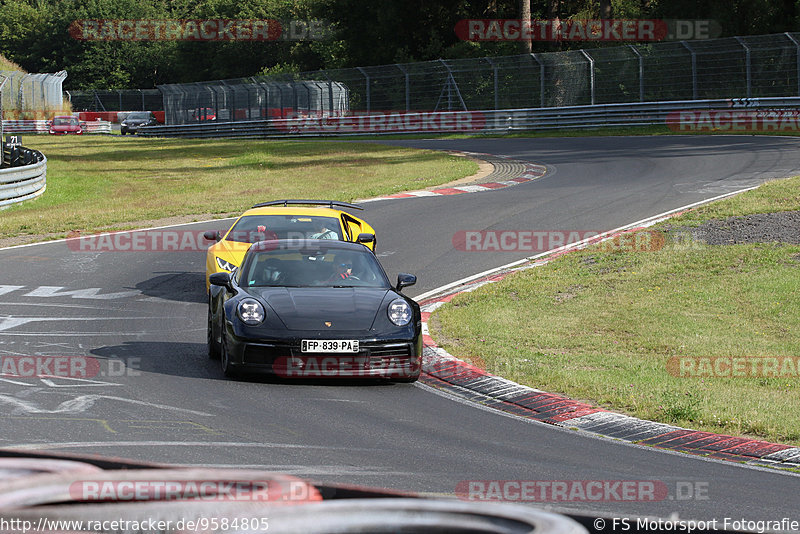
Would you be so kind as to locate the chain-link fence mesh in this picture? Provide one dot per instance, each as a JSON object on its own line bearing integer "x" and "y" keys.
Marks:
{"x": 34, "y": 93}
{"x": 120, "y": 100}
{"x": 735, "y": 67}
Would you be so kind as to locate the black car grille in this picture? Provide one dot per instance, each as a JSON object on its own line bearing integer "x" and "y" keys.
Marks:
{"x": 267, "y": 354}
{"x": 367, "y": 351}
{"x": 392, "y": 351}
{"x": 264, "y": 354}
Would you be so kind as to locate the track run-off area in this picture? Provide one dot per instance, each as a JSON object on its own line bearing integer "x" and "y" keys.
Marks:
{"x": 140, "y": 319}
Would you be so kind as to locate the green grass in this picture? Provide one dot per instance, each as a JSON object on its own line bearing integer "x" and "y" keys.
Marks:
{"x": 600, "y": 325}
{"x": 6, "y": 64}
{"x": 96, "y": 182}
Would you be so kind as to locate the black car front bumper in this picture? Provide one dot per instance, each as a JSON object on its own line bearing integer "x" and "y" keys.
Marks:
{"x": 396, "y": 359}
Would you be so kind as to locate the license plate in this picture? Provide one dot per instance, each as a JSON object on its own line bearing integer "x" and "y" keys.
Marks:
{"x": 329, "y": 345}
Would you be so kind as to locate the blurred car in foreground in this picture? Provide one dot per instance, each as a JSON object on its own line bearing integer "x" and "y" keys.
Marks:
{"x": 65, "y": 124}
{"x": 138, "y": 119}
{"x": 314, "y": 309}
{"x": 63, "y": 493}
{"x": 285, "y": 219}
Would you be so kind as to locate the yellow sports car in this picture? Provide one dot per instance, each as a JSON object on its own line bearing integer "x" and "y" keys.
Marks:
{"x": 285, "y": 219}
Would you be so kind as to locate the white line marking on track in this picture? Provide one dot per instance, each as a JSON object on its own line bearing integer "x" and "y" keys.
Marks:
{"x": 82, "y": 383}
{"x": 246, "y": 444}
{"x": 10, "y": 321}
{"x": 82, "y": 403}
{"x": 310, "y": 470}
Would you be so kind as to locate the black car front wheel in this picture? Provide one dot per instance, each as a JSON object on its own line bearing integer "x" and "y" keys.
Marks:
{"x": 406, "y": 379}
{"x": 225, "y": 360}
{"x": 213, "y": 347}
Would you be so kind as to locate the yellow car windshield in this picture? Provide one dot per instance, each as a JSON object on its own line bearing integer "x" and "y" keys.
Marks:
{"x": 253, "y": 228}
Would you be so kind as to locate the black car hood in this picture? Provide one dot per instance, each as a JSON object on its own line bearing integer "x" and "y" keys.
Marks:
{"x": 310, "y": 308}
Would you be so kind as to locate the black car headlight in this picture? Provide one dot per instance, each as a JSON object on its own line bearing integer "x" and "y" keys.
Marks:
{"x": 399, "y": 312}
{"x": 225, "y": 265}
{"x": 251, "y": 312}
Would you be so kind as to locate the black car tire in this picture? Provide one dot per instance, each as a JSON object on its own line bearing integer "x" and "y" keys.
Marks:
{"x": 225, "y": 361}
{"x": 407, "y": 380}
{"x": 213, "y": 348}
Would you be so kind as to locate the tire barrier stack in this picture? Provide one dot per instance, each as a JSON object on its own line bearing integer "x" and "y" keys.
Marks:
{"x": 23, "y": 174}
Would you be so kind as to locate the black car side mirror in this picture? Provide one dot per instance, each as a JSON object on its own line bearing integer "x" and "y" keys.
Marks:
{"x": 405, "y": 280}
{"x": 221, "y": 279}
{"x": 365, "y": 238}
{"x": 212, "y": 235}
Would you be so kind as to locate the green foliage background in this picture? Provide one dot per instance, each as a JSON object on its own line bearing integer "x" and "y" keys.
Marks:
{"x": 34, "y": 33}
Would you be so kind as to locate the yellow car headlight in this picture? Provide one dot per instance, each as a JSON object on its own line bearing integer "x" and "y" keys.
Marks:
{"x": 224, "y": 265}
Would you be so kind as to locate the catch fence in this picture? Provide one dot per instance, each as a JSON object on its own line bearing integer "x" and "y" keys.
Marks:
{"x": 734, "y": 67}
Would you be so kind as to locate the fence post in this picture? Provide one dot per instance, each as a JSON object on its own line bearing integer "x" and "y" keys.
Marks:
{"x": 366, "y": 77}
{"x": 5, "y": 79}
{"x": 451, "y": 84}
{"x": 591, "y": 73}
{"x": 44, "y": 105}
{"x": 330, "y": 93}
{"x": 21, "y": 105}
{"x": 747, "y": 66}
{"x": 641, "y": 72}
{"x": 494, "y": 71}
{"x": 797, "y": 55}
{"x": 694, "y": 68}
{"x": 541, "y": 80}
{"x": 408, "y": 86}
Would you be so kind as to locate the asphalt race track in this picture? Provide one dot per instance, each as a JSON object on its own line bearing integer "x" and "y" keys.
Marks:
{"x": 157, "y": 397}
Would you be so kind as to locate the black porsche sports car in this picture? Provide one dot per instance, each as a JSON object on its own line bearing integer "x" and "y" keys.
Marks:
{"x": 314, "y": 309}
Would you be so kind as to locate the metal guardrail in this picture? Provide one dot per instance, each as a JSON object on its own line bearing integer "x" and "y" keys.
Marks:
{"x": 477, "y": 122}
{"x": 23, "y": 175}
{"x": 96, "y": 127}
{"x": 43, "y": 126}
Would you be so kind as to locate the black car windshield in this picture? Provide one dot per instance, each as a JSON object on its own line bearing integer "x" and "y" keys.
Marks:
{"x": 254, "y": 228}
{"x": 138, "y": 117}
{"x": 312, "y": 267}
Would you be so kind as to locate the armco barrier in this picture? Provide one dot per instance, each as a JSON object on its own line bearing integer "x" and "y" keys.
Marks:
{"x": 41, "y": 126}
{"x": 490, "y": 121}
{"x": 97, "y": 127}
{"x": 113, "y": 116}
{"x": 25, "y": 126}
{"x": 24, "y": 181}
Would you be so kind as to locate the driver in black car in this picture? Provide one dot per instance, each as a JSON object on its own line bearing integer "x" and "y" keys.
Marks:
{"x": 343, "y": 271}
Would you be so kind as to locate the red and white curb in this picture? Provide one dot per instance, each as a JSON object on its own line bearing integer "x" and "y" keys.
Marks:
{"x": 444, "y": 371}
{"x": 531, "y": 172}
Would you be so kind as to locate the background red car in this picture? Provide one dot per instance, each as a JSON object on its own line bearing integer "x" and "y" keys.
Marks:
{"x": 65, "y": 124}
